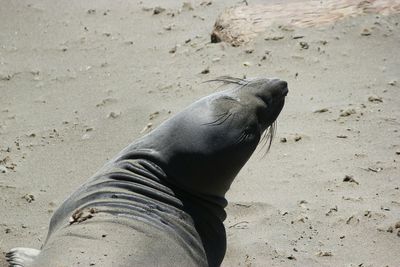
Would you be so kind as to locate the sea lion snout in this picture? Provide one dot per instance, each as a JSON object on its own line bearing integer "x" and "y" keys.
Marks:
{"x": 278, "y": 88}
{"x": 283, "y": 86}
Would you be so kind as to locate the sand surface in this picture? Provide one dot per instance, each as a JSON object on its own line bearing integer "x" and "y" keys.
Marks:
{"x": 79, "y": 80}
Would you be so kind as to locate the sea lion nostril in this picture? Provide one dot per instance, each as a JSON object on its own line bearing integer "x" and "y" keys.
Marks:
{"x": 285, "y": 91}
{"x": 284, "y": 87}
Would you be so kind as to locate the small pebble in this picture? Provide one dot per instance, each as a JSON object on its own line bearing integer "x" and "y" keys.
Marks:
{"x": 322, "y": 110}
{"x": 349, "y": 179}
{"x": 297, "y": 138}
{"x": 347, "y": 112}
{"x": 274, "y": 38}
{"x": 324, "y": 254}
{"x": 375, "y": 99}
{"x": 3, "y": 169}
{"x": 173, "y": 50}
{"x": 205, "y": 71}
{"x": 113, "y": 115}
{"x": 29, "y": 198}
{"x": 157, "y": 10}
{"x": 366, "y": 32}
{"x": 304, "y": 45}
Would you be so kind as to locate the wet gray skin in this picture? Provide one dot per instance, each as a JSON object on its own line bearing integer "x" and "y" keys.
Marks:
{"x": 160, "y": 201}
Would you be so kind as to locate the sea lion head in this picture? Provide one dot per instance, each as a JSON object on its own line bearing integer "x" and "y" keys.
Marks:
{"x": 202, "y": 148}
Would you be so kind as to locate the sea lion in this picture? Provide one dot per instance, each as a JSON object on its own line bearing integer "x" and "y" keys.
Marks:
{"x": 161, "y": 200}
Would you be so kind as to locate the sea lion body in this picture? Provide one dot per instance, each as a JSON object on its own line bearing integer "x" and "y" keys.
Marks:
{"x": 161, "y": 200}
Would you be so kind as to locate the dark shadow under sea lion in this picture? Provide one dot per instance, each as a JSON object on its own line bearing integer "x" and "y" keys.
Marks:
{"x": 161, "y": 200}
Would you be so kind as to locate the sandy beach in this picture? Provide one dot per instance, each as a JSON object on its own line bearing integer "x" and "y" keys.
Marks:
{"x": 80, "y": 80}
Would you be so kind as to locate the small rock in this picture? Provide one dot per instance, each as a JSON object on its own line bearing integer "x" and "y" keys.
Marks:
{"x": 29, "y": 198}
{"x": 148, "y": 126}
{"x": 3, "y": 169}
{"x": 334, "y": 209}
{"x": 304, "y": 45}
{"x": 274, "y": 38}
{"x": 392, "y": 82}
{"x": 249, "y": 51}
{"x": 374, "y": 169}
{"x": 341, "y": 136}
{"x": 7, "y": 230}
{"x": 374, "y": 98}
{"x": 206, "y": 3}
{"x": 298, "y": 36}
{"x": 113, "y": 115}
{"x": 91, "y": 11}
{"x": 322, "y": 110}
{"x": 246, "y": 64}
{"x": 397, "y": 225}
{"x": 168, "y": 28}
{"x": 106, "y": 101}
{"x": 205, "y": 71}
{"x": 347, "y": 112}
{"x": 365, "y": 32}
{"x": 216, "y": 59}
{"x": 291, "y": 257}
{"x": 283, "y": 140}
{"x": 154, "y": 115}
{"x": 81, "y": 215}
{"x": 157, "y": 10}
{"x": 349, "y": 179}
{"x": 385, "y": 208}
{"x": 324, "y": 254}
{"x": 297, "y": 138}
{"x": 173, "y": 50}
{"x": 352, "y": 220}
{"x": 5, "y": 77}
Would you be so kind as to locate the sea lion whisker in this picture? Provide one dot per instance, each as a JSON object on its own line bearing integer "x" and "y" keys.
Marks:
{"x": 241, "y": 137}
{"x": 220, "y": 119}
{"x": 268, "y": 136}
{"x": 229, "y": 80}
{"x": 220, "y": 116}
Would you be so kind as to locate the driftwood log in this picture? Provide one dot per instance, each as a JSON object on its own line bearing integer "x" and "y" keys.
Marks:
{"x": 240, "y": 24}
